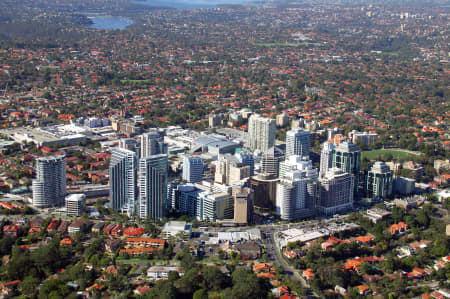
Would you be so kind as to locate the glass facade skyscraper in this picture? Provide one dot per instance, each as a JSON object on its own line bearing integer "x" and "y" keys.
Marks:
{"x": 123, "y": 180}
{"x": 153, "y": 201}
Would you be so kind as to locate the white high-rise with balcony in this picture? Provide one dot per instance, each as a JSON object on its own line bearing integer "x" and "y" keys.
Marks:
{"x": 49, "y": 187}
{"x": 296, "y": 191}
{"x": 261, "y": 132}
{"x": 326, "y": 158}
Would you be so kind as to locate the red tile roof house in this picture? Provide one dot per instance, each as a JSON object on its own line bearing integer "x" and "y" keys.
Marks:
{"x": 117, "y": 231}
{"x": 308, "y": 274}
{"x": 12, "y": 230}
{"x": 53, "y": 225}
{"x": 262, "y": 268}
{"x": 111, "y": 269}
{"x": 141, "y": 290}
{"x": 133, "y": 231}
{"x": 290, "y": 254}
{"x": 365, "y": 239}
{"x": 398, "y": 228}
{"x": 416, "y": 273}
{"x": 107, "y": 230}
{"x": 363, "y": 290}
{"x": 287, "y": 296}
{"x": 266, "y": 275}
{"x": 144, "y": 243}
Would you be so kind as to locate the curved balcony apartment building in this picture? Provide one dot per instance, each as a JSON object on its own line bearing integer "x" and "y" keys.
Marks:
{"x": 49, "y": 187}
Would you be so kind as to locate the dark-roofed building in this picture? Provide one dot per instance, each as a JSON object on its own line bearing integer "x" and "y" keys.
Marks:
{"x": 97, "y": 227}
{"x": 249, "y": 250}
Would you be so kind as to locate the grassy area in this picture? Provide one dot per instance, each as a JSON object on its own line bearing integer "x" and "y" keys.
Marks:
{"x": 211, "y": 260}
{"x": 384, "y": 153}
{"x": 135, "y": 81}
{"x": 285, "y": 44}
{"x": 132, "y": 261}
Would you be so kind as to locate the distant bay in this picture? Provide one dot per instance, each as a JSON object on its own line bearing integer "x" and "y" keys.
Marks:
{"x": 191, "y": 4}
{"x": 110, "y": 23}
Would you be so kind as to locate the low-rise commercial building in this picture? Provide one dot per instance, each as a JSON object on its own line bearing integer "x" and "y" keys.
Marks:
{"x": 75, "y": 204}
{"x": 161, "y": 272}
{"x": 177, "y": 228}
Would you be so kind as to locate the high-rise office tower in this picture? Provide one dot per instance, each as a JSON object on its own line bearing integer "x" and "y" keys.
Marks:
{"x": 215, "y": 206}
{"x": 186, "y": 196}
{"x": 347, "y": 157}
{"x": 192, "y": 169}
{"x": 270, "y": 161}
{"x": 123, "y": 180}
{"x": 153, "y": 186}
{"x": 265, "y": 186}
{"x": 243, "y": 205}
{"x": 246, "y": 159}
{"x": 152, "y": 144}
{"x": 229, "y": 170}
{"x": 379, "y": 181}
{"x": 261, "y": 132}
{"x": 335, "y": 192}
{"x": 49, "y": 187}
{"x": 282, "y": 120}
{"x": 129, "y": 144}
{"x": 296, "y": 191}
{"x": 326, "y": 158}
{"x": 297, "y": 143}
{"x": 214, "y": 120}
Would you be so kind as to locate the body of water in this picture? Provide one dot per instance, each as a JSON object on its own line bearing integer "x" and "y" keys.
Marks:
{"x": 190, "y": 4}
{"x": 110, "y": 23}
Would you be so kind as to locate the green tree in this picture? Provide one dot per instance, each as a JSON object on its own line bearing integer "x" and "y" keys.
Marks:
{"x": 214, "y": 279}
{"x": 247, "y": 285}
{"x": 53, "y": 288}
{"x": 28, "y": 285}
{"x": 200, "y": 294}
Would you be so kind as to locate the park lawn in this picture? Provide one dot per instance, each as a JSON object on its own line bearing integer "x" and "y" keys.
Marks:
{"x": 396, "y": 154}
{"x": 211, "y": 260}
{"x": 135, "y": 81}
{"x": 133, "y": 260}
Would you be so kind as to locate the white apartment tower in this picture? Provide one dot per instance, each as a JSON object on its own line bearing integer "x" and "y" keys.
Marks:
{"x": 326, "y": 158}
{"x": 49, "y": 187}
{"x": 261, "y": 132}
{"x": 296, "y": 191}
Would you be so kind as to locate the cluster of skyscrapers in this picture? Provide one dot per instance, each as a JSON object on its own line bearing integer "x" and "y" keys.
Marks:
{"x": 267, "y": 178}
{"x": 138, "y": 184}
